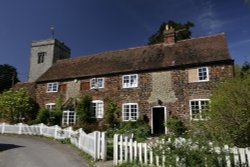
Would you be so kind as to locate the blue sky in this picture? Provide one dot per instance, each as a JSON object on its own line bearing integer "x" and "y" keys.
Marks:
{"x": 92, "y": 26}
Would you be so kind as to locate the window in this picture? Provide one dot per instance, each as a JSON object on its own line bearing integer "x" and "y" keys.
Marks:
{"x": 85, "y": 85}
{"x": 52, "y": 87}
{"x": 97, "y": 109}
{"x": 130, "y": 81}
{"x": 97, "y": 83}
{"x": 198, "y": 109}
{"x": 130, "y": 111}
{"x": 63, "y": 88}
{"x": 200, "y": 74}
{"x": 40, "y": 57}
{"x": 203, "y": 74}
{"x": 50, "y": 106}
{"x": 69, "y": 118}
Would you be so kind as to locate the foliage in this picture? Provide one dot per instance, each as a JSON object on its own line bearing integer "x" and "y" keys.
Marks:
{"x": 57, "y": 112}
{"x": 245, "y": 70}
{"x": 110, "y": 118}
{"x": 195, "y": 152}
{"x": 140, "y": 129}
{"x": 17, "y": 106}
{"x": 132, "y": 164}
{"x": 182, "y": 32}
{"x": 83, "y": 109}
{"x": 43, "y": 116}
{"x": 7, "y": 72}
{"x": 229, "y": 118}
{"x": 176, "y": 126}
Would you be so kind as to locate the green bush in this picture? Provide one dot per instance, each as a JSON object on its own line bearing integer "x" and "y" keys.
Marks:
{"x": 139, "y": 128}
{"x": 43, "y": 116}
{"x": 193, "y": 152}
{"x": 83, "y": 110}
{"x": 176, "y": 126}
{"x": 133, "y": 164}
{"x": 229, "y": 115}
{"x": 110, "y": 115}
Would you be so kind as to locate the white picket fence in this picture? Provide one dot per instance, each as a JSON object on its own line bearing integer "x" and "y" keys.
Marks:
{"x": 93, "y": 143}
{"x": 128, "y": 150}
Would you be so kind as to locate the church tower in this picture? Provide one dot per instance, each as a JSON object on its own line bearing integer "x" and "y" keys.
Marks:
{"x": 44, "y": 54}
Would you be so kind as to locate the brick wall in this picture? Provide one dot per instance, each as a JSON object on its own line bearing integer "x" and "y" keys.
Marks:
{"x": 170, "y": 87}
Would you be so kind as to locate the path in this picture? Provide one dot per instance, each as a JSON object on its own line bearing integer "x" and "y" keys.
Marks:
{"x": 28, "y": 151}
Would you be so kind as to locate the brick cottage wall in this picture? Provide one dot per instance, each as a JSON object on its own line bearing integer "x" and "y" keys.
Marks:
{"x": 171, "y": 88}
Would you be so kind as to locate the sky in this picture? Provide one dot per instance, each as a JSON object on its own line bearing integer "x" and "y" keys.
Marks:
{"x": 93, "y": 26}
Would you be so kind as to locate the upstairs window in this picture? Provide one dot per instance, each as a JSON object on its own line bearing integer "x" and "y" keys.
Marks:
{"x": 52, "y": 87}
{"x": 198, "y": 109}
{"x": 97, "y": 109}
{"x": 130, "y": 81}
{"x": 129, "y": 112}
{"x": 200, "y": 74}
{"x": 40, "y": 57}
{"x": 203, "y": 74}
{"x": 96, "y": 83}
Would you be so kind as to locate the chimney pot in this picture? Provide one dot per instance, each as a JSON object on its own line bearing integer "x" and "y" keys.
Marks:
{"x": 169, "y": 35}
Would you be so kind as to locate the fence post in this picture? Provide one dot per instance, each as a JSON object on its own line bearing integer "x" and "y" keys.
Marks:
{"x": 3, "y": 128}
{"x": 70, "y": 131}
{"x": 55, "y": 134}
{"x": 98, "y": 147}
{"x": 20, "y": 128}
{"x": 115, "y": 151}
{"x": 41, "y": 129}
{"x": 95, "y": 145}
{"x": 79, "y": 139}
{"x": 104, "y": 146}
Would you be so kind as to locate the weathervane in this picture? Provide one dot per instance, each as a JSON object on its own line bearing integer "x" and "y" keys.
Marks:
{"x": 52, "y": 29}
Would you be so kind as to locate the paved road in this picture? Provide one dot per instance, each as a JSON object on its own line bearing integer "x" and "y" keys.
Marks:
{"x": 26, "y": 151}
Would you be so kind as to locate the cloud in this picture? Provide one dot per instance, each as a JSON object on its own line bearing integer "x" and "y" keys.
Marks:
{"x": 208, "y": 18}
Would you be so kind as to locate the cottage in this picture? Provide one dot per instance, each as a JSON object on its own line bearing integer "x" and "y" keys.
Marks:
{"x": 153, "y": 81}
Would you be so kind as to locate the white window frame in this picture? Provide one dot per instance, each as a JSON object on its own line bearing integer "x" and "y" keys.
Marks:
{"x": 52, "y": 87}
{"x": 94, "y": 83}
{"x": 67, "y": 121}
{"x": 200, "y": 74}
{"x": 50, "y": 106}
{"x": 199, "y": 108}
{"x": 130, "y": 117}
{"x": 98, "y": 111}
{"x": 131, "y": 83}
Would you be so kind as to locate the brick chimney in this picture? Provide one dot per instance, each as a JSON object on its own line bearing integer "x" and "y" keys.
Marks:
{"x": 169, "y": 35}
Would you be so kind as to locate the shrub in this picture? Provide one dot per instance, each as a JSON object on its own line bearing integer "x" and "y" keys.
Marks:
{"x": 229, "y": 116}
{"x": 43, "y": 116}
{"x": 176, "y": 126}
{"x": 193, "y": 152}
{"x": 110, "y": 115}
{"x": 139, "y": 128}
{"x": 83, "y": 109}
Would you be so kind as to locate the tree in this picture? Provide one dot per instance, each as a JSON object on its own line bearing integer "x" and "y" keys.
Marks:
{"x": 229, "y": 116}
{"x": 17, "y": 106}
{"x": 8, "y": 77}
{"x": 181, "y": 30}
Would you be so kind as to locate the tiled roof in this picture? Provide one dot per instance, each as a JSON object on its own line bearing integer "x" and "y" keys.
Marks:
{"x": 29, "y": 86}
{"x": 151, "y": 57}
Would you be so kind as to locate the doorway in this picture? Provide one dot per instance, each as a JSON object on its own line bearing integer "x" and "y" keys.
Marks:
{"x": 158, "y": 120}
